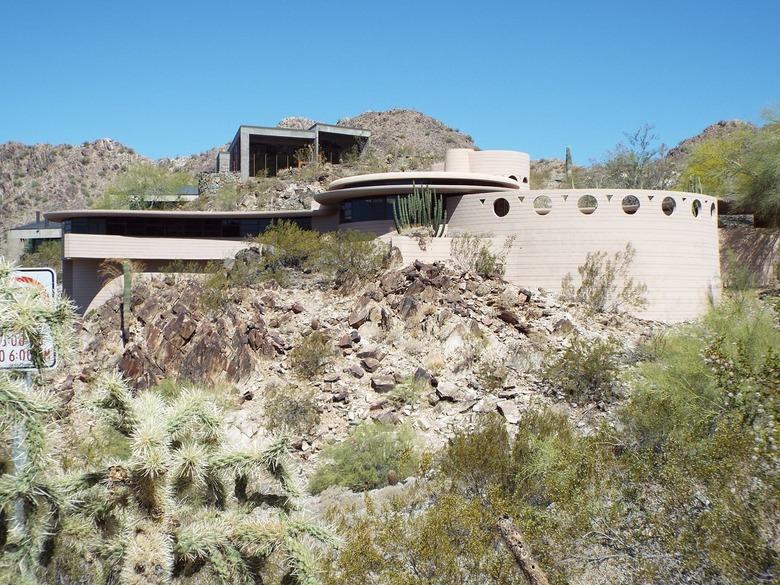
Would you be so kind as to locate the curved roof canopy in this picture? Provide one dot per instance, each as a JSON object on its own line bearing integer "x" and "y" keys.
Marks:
{"x": 378, "y": 184}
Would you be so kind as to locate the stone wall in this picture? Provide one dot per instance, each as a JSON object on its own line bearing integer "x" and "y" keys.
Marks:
{"x": 209, "y": 184}
{"x": 756, "y": 249}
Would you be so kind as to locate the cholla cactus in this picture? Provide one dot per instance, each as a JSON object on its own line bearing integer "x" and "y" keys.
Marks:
{"x": 180, "y": 502}
{"x": 31, "y": 500}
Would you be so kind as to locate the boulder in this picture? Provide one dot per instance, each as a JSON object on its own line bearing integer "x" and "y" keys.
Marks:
{"x": 451, "y": 393}
{"x": 360, "y": 313}
{"x": 382, "y": 383}
{"x": 509, "y": 411}
{"x": 356, "y": 371}
{"x": 370, "y": 364}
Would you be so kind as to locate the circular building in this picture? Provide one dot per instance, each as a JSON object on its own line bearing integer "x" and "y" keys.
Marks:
{"x": 547, "y": 234}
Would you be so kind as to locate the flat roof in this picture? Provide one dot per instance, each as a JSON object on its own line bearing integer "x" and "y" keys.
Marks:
{"x": 43, "y": 224}
{"x": 174, "y": 214}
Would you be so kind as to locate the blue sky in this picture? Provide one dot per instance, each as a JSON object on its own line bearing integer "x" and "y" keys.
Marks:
{"x": 170, "y": 78}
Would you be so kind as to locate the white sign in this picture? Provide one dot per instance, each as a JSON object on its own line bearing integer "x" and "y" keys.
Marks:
{"x": 15, "y": 350}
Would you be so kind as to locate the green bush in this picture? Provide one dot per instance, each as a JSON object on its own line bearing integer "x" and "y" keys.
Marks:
{"x": 605, "y": 283}
{"x": 585, "y": 371}
{"x": 312, "y": 353}
{"x": 48, "y": 253}
{"x": 365, "y": 458}
{"x": 287, "y": 245}
{"x": 348, "y": 257}
{"x": 292, "y": 408}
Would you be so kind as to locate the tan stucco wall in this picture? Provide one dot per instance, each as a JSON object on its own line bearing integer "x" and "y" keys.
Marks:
{"x": 98, "y": 246}
{"x": 676, "y": 256}
{"x": 84, "y": 253}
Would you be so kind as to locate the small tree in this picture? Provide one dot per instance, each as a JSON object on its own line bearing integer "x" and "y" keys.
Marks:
{"x": 138, "y": 186}
{"x": 637, "y": 163}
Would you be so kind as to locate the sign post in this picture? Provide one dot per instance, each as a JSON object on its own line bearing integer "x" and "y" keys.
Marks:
{"x": 16, "y": 354}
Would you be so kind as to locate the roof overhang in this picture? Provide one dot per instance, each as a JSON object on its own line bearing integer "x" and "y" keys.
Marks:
{"x": 177, "y": 214}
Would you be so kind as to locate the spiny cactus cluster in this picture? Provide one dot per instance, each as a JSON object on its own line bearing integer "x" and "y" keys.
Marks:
{"x": 182, "y": 501}
{"x": 31, "y": 498}
{"x": 174, "y": 502}
{"x": 694, "y": 184}
{"x": 423, "y": 207}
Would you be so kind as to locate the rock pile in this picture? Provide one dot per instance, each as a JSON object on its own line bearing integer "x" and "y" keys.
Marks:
{"x": 424, "y": 344}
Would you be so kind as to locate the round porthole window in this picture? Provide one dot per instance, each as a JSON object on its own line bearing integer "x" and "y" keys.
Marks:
{"x": 587, "y": 204}
{"x": 501, "y": 207}
{"x": 543, "y": 205}
{"x": 696, "y": 207}
{"x": 513, "y": 177}
{"x": 630, "y": 204}
{"x": 668, "y": 205}
{"x": 712, "y": 209}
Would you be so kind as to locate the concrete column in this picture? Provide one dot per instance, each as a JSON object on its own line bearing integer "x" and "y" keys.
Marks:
{"x": 244, "y": 145}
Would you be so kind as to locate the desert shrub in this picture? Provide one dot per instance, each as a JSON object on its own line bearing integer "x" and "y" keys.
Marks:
{"x": 312, "y": 353}
{"x": 605, "y": 283}
{"x": 48, "y": 253}
{"x": 365, "y": 458}
{"x": 702, "y": 430}
{"x": 473, "y": 253}
{"x": 292, "y": 408}
{"x": 407, "y": 392}
{"x": 228, "y": 198}
{"x": 585, "y": 370}
{"x": 492, "y": 374}
{"x": 453, "y": 540}
{"x": 134, "y": 188}
{"x": 287, "y": 245}
{"x": 348, "y": 257}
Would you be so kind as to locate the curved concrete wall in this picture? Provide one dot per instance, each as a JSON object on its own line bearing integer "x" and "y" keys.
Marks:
{"x": 676, "y": 255}
{"x": 504, "y": 163}
{"x": 501, "y": 163}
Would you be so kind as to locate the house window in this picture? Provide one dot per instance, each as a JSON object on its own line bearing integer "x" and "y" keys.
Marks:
{"x": 501, "y": 207}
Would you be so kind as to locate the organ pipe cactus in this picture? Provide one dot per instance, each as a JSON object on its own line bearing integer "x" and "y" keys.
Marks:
{"x": 423, "y": 207}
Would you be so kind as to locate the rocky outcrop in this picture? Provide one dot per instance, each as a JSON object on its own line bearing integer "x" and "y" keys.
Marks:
{"x": 420, "y": 345}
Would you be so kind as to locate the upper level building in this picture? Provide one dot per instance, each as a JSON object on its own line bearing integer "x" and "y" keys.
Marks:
{"x": 261, "y": 151}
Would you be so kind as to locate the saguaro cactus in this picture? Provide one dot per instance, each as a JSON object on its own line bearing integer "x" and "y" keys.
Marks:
{"x": 423, "y": 207}
{"x": 694, "y": 184}
{"x": 568, "y": 168}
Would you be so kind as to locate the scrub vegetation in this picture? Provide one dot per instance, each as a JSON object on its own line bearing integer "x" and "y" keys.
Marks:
{"x": 683, "y": 489}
